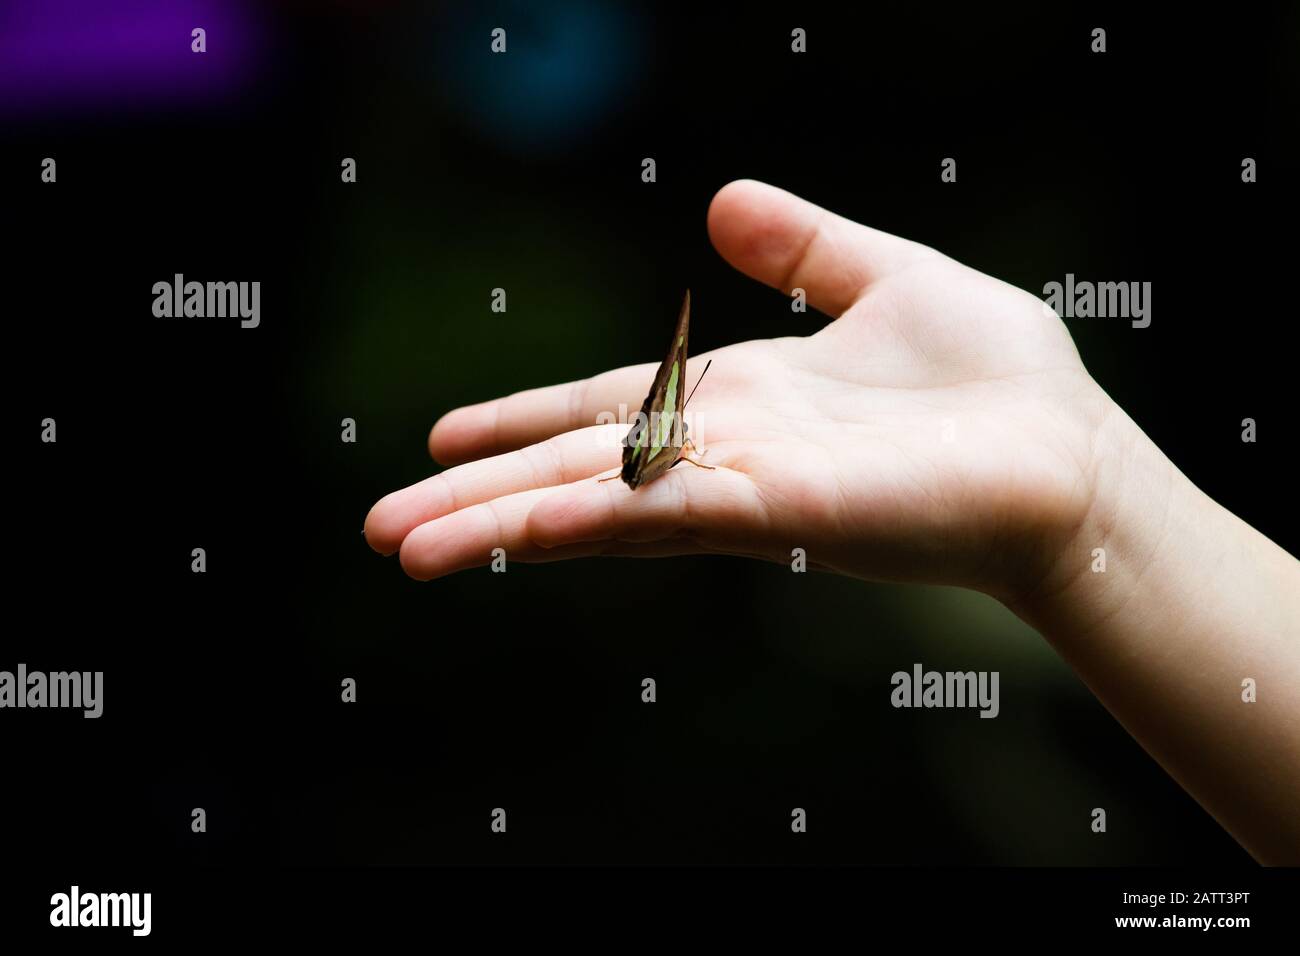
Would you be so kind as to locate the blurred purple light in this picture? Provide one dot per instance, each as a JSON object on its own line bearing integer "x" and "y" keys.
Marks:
{"x": 58, "y": 55}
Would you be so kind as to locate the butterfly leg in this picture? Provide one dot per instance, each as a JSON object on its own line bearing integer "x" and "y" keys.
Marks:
{"x": 688, "y": 444}
{"x": 697, "y": 464}
{"x": 684, "y": 457}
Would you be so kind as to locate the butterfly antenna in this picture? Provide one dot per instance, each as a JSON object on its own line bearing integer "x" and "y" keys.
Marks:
{"x": 697, "y": 384}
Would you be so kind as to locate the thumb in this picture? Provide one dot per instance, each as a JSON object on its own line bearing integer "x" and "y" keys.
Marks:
{"x": 787, "y": 242}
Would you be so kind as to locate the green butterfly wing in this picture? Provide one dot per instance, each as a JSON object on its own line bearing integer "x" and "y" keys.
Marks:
{"x": 654, "y": 443}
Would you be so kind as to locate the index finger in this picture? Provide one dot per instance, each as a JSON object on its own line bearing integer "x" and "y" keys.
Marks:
{"x": 526, "y": 418}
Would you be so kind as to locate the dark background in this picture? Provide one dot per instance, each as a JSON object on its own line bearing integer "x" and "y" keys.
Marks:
{"x": 522, "y": 171}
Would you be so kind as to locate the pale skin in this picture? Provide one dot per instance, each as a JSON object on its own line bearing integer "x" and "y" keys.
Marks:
{"x": 940, "y": 429}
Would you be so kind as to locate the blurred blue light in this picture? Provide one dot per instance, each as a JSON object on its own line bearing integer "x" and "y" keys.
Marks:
{"x": 566, "y": 68}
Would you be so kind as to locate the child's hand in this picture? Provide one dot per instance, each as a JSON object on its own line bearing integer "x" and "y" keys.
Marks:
{"x": 942, "y": 429}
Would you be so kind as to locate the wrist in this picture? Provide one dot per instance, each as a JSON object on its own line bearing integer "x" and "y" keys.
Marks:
{"x": 1141, "y": 518}
{"x": 1189, "y": 603}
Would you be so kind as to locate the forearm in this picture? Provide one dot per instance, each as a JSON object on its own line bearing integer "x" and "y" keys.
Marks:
{"x": 1191, "y": 603}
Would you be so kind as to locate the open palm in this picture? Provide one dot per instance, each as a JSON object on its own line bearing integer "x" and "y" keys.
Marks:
{"x": 942, "y": 428}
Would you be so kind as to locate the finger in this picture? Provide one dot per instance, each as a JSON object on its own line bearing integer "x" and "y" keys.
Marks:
{"x": 468, "y": 538}
{"x": 644, "y": 524}
{"x": 787, "y": 242}
{"x": 444, "y": 552}
{"x": 526, "y": 418}
{"x": 471, "y": 537}
{"x": 563, "y": 459}
{"x": 718, "y": 508}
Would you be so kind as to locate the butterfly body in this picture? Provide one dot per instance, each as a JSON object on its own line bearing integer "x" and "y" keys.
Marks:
{"x": 657, "y": 438}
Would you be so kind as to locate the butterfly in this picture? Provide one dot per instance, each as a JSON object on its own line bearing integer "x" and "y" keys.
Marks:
{"x": 656, "y": 441}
